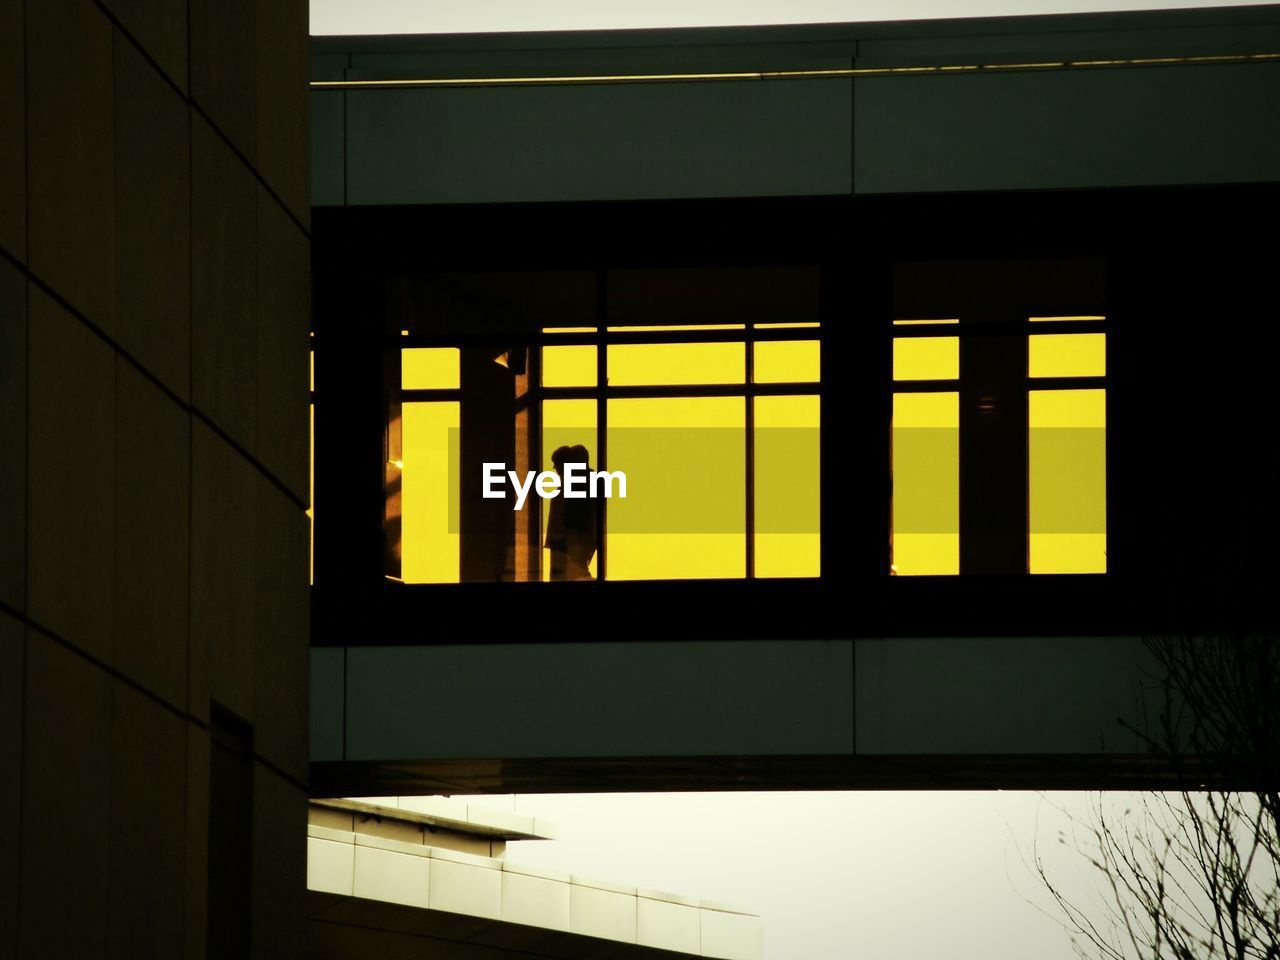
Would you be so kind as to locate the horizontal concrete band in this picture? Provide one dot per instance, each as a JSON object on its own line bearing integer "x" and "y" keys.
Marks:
{"x": 998, "y": 130}
{"x": 782, "y": 698}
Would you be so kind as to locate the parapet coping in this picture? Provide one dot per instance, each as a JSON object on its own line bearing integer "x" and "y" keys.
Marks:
{"x": 493, "y": 863}
{"x": 471, "y": 818}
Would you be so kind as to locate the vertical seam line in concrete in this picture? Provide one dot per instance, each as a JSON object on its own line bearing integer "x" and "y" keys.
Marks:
{"x": 26, "y": 470}
{"x": 107, "y": 925}
{"x": 191, "y": 434}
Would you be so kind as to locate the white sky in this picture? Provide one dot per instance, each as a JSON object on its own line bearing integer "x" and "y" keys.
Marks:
{"x": 834, "y": 876}
{"x": 484, "y": 16}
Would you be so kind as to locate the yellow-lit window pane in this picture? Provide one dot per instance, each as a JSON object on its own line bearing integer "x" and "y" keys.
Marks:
{"x": 926, "y": 483}
{"x": 639, "y": 364}
{"x": 787, "y": 361}
{"x": 788, "y": 540}
{"x": 679, "y": 327}
{"x": 430, "y": 368}
{"x": 926, "y": 358}
{"x": 566, "y": 423}
{"x": 573, "y": 366}
{"x": 685, "y": 511}
{"x": 429, "y": 485}
{"x": 1067, "y": 355}
{"x": 1067, "y": 481}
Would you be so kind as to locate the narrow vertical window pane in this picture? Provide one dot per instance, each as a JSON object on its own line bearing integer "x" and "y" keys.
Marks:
{"x": 926, "y": 484}
{"x": 570, "y": 366}
{"x": 430, "y": 368}
{"x": 788, "y": 541}
{"x": 787, "y": 361}
{"x": 1067, "y": 481}
{"x": 566, "y": 423}
{"x": 926, "y": 358}
{"x": 685, "y": 511}
{"x": 429, "y": 484}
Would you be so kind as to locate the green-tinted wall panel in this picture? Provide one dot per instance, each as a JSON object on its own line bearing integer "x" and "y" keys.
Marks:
{"x": 1098, "y": 127}
{"x": 1004, "y": 695}
{"x": 328, "y": 157}
{"x": 328, "y": 690}
{"x": 951, "y": 696}
{"x": 595, "y": 142}
{"x": 600, "y": 700}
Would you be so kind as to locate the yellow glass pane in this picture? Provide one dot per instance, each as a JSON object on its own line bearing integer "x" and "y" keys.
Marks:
{"x": 573, "y": 366}
{"x": 807, "y": 325}
{"x": 1067, "y": 481}
{"x": 1067, "y": 355}
{"x": 920, "y": 323}
{"x": 685, "y": 511}
{"x": 566, "y": 423}
{"x": 429, "y": 485}
{"x": 665, "y": 327}
{"x": 787, "y": 361}
{"x": 926, "y": 484}
{"x": 639, "y": 364}
{"x": 926, "y": 358}
{"x": 788, "y": 540}
{"x": 430, "y": 368}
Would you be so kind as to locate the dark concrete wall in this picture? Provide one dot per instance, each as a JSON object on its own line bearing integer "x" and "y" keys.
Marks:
{"x": 154, "y": 309}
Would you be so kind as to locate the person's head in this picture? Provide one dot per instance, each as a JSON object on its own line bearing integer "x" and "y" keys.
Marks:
{"x": 566, "y": 454}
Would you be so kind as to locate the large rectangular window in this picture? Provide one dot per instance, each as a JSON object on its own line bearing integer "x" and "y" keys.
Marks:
{"x": 999, "y": 426}
{"x": 715, "y": 426}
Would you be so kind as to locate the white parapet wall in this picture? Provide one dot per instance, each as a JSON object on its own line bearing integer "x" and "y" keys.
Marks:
{"x": 363, "y": 866}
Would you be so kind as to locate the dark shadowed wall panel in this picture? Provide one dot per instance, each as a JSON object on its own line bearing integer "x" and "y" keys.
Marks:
{"x": 1100, "y": 127}
{"x": 598, "y": 142}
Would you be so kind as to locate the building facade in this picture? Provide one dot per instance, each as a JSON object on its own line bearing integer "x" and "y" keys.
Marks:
{"x": 154, "y": 306}
{"x": 989, "y": 279}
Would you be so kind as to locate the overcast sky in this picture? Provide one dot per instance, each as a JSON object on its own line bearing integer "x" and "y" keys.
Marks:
{"x": 834, "y": 876}
{"x": 483, "y": 16}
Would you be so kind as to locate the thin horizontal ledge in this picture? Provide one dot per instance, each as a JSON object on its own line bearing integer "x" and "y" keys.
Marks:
{"x": 834, "y": 73}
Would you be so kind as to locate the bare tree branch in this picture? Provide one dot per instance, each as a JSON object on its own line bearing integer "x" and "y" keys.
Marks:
{"x": 1193, "y": 874}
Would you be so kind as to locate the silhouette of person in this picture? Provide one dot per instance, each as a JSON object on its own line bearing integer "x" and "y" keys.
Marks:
{"x": 571, "y": 524}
